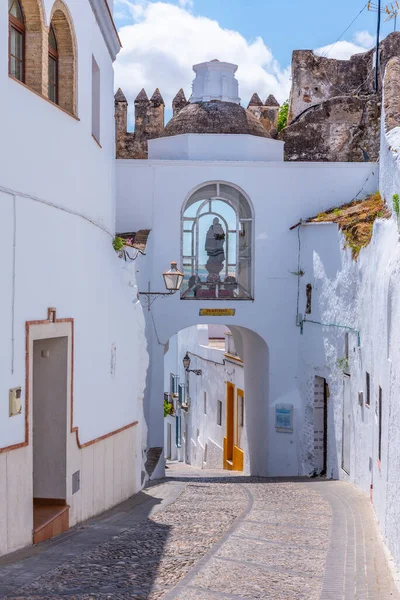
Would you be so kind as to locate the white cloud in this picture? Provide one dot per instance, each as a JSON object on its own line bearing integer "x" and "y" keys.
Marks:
{"x": 186, "y": 3}
{"x": 163, "y": 41}
{"x": 362, "y": 41}
{"x": 365, "y": 39}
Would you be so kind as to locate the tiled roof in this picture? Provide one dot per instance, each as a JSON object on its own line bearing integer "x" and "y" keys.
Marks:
{"x": 136, "y": 239}
{"x": 355, "y": 219}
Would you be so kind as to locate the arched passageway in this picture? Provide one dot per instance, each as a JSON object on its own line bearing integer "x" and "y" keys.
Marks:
{"x": 216, "y": 393}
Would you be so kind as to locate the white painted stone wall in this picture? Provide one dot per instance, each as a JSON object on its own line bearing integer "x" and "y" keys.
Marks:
{"x": 151, "y": 195}
{"x": 364, "y": 295}
{"x": 57, "y": 221}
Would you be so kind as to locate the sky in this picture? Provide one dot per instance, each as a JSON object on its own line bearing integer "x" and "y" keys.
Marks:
{"x": 162, "y": 40}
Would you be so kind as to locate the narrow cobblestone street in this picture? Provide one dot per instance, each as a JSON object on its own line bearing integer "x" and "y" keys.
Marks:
{"x": 201, "y": 535}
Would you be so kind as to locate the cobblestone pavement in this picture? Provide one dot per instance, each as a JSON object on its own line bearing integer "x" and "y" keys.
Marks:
{"x": 204, "y": 535}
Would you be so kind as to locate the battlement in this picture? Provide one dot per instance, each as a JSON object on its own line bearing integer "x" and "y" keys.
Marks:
{"x": 149, "y": 123}
{"x": 149, "y": 120}
{"x": 267, "y": 113}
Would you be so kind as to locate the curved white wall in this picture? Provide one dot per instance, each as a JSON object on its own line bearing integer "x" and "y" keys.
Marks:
{"x": 57, "y": 213}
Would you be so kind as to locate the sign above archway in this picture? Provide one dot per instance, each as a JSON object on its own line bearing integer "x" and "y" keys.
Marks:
{"x": 217, "y": 312}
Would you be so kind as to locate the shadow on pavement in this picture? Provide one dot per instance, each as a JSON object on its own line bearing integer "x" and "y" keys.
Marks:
{"x": 115, "y": 553}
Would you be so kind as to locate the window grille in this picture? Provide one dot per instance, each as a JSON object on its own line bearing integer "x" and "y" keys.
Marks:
{"x": 178, "y": 425}
{"x": 217, "y": 237}
{"x": 182, "y": 393}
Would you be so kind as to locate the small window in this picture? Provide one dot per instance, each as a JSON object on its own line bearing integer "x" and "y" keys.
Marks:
{"x": 181, "y": 393}
{"x": 219, "y": 412}
{"x": 173, "y": 384}
{"x": 53, "y": 67}
{"x": 346, "y": 365}
{"x": 16, "y": 40}
{"x": 240, "y": 410}
{"x": 368, "y": 390}
{"x": 380, "y": 425}
{"x": 205, "y": 403}
{"x": 178, "y": 431}
{"x": 308, "y": 297}
{"x": 95, "y": 100}
{"x": 346, "y": 346}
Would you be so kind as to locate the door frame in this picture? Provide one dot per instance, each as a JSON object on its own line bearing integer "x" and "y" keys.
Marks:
{"x": 39, "y": 330}
{"x": 346, "y": 381}
{"x": 229, "y": 440}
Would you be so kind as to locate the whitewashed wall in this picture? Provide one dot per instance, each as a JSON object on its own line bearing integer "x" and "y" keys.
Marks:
{"x": 57, "y": 208}
{"x": 151, "y": 195}
{"x": 362, "y": 294}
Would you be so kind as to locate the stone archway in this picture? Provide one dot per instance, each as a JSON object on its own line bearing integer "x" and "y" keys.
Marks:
{"x": 255, "y": 354}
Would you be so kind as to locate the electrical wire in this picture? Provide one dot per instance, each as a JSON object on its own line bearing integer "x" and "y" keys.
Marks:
{"x": 309, "y": 221}
{"x": 70, "y": 211}
{"x": 346, "y": 30}
{"x": 342, "y": 92}
{"x": 207, "y": 359}
{"x": 332, "y": 325}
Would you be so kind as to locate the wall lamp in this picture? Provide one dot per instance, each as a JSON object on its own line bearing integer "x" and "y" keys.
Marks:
{"x": 173, "y": 279}
{"x": 186, "y": 363}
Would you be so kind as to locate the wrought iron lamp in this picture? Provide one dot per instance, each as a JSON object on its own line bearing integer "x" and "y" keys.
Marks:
{"x": 173, "y": 279}
{"x": 186, "y": 363}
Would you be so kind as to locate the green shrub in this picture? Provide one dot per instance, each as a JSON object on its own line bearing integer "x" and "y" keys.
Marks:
{"x": 396, "y": 204}
{"x": 283, "y": 115}
{"x": 168, "y": 409}
{"x": 118, "y": 244}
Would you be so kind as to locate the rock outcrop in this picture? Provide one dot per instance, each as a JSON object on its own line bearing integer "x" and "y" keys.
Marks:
{"x": 334, "y": 110}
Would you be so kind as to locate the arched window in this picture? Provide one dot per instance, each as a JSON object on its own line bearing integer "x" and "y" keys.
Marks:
{"x": 16, "y": 48}
{"x": 53, "y": 66}
{"x": 62, "y": 62}
{"x": 217, "y": 230}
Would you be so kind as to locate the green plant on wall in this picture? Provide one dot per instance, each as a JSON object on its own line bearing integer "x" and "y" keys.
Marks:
{"x": 343, "y": 364}
{"x": 168, "y": 409}
{"x": 118, "y": 243}
{"x": 283, "y": 115}
{"x": 396, "y": 204}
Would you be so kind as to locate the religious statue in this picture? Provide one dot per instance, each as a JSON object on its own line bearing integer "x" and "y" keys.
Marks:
{"x": 214, "y": 247}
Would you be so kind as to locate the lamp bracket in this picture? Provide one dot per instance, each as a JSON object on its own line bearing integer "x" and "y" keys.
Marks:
{"x": 152, "y": 296}
{"x": 196, "y": 371}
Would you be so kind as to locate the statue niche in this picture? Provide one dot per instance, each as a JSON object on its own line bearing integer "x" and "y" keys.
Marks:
{"x": 214, "y": 246}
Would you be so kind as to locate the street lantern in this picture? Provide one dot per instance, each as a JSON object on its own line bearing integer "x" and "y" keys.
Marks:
{"x": 186, "y": 364}
{"x": 186, "y": 361}
{"x": 173, "y": 278}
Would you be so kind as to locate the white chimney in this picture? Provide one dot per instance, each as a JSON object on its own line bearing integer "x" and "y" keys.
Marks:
{"x": 215, "y": 80}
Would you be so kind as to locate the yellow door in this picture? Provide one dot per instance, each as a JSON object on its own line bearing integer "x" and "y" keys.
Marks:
{"x": 230, "y": 424}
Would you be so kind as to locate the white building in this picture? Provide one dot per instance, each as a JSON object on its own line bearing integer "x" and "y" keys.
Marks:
{"x": 208, "y": 432}
{"x": 72, "y": 345}
{"x": 194, "y": 175}
{"x": 315, "y": 327}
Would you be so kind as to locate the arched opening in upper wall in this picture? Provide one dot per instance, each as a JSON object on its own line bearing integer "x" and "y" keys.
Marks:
{"x": 63, "y": 32}
{"x": 217, "y": 233}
